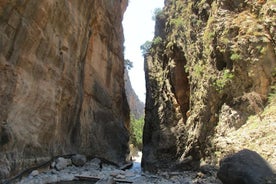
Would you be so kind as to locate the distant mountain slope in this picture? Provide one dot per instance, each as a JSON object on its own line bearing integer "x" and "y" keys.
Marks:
{"x": 135, "y": 105}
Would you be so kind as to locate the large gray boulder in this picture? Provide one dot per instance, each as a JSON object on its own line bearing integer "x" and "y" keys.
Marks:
{"x": 244, "y": 167}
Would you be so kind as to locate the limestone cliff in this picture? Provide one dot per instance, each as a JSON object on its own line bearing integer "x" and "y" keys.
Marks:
{"x": 135, "y": 105}
{"x": 61, "y": 81}
{"x": 210, "y": 65}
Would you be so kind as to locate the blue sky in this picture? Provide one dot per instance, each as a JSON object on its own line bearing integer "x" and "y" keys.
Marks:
{"x": 138, "y": 28}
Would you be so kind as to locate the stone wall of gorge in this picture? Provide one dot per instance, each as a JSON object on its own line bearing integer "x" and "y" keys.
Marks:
{"x": 61, "y": 81}
{"x": 210, "y": 66}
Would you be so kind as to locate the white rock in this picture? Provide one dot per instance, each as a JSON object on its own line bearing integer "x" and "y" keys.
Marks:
{"x": 53, "y": 164}
{"x": 34, "y": 173}
{"x": 62, "y": 163}
{"x": 120, "y": 176}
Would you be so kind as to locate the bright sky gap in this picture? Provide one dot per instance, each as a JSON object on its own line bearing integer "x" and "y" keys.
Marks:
{"x": 138, "y": 28}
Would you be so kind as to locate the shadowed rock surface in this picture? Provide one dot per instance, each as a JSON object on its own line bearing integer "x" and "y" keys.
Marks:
{"x": 61, "y": 81}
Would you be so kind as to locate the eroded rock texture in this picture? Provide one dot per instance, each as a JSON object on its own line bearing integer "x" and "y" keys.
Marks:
{"x": 208, "y": 60}
{"x": 61, "y": 81}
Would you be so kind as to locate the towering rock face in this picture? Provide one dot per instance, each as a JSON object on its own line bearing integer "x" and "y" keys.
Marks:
{"x": 135, "y": 105}
{"x": 211, "y": 64}
{"x": 61, "y": 81}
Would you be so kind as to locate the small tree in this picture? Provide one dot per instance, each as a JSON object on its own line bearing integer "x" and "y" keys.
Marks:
{"x": 156, "y": 13}
{"x": 136, "y": 132}
{"x": 145, "y": 48}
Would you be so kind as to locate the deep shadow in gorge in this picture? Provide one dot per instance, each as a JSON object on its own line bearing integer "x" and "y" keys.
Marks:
{"x": 180, "y": 81}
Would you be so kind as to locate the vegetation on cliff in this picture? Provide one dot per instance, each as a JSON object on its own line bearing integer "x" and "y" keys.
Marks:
{"x": 212, "y": 66}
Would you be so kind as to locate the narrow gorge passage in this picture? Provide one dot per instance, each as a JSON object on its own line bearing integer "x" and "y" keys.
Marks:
{"x": 205, "y": 83}
{"x": 68, "y": 112}
{"x": 138, "y": 24}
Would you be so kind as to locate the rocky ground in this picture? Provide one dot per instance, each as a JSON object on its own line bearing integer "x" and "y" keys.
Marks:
{"x": 95, "y": 171}
{"x": 257, "y": 134}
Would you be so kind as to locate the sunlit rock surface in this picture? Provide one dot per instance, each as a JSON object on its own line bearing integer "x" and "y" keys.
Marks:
{"x": 210, "y": 66}
{"x": 136, "y": 106}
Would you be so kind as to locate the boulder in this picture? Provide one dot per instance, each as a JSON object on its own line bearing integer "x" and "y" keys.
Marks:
{"x": 78, "y": 160}
{"x": 62, "y": 163}
{"x": 34, "y": 173}
{"x": 244, "y": 167}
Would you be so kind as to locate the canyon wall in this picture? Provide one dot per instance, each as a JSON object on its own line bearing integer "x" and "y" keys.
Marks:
{"x": 210, "y": 66}
{"x": 136, "y": 106}
{"x": 61, "y": 81}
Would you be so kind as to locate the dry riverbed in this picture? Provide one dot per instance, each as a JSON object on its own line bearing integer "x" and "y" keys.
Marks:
{"x": 64, "y": 171}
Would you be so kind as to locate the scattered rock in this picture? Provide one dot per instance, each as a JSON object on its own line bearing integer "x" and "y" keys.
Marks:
{"x": 126, "y": 166}
{"x": 115, "y": 173}
{"x": 129, "y": 174}
{"x": 78, "y": 160}
{"x": 121, "y": 176}
{"x": 53, "y": 171}
{"x": 244, "y": 167}
{"x": 94, "y": 163}
{"x": 62, "y": 163}
{"x": 66, "y": 177}
{"x": 107, "y": 167}
{"x": 34, "y": 173}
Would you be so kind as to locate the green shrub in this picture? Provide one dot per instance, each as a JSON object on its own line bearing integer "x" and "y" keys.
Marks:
{"x": 136, "y": 132}
{"x": 221, "y": 82}
{"x": 198, "y": 70}
{"x": 178, "y": 23}
{"x": 157, "y": 40}
{"x": 208, "y": 36}
{"x": 235, "y": 57}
